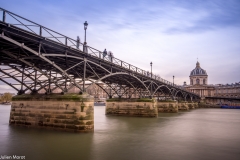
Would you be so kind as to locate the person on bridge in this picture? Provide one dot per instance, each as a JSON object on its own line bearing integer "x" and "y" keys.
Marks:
{"x": 104, "y": 53}
{"x": 110, "y": 55}
{"x": 78, "y": 42}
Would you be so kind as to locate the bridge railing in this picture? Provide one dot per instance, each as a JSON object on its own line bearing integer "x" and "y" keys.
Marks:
{"x": 15, "y": 20}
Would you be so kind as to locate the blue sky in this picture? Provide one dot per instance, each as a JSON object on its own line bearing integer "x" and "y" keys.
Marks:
{"x": 170, "y": 33}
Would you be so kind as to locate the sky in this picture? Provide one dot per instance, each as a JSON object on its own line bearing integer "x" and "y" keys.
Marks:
{"x": 172, "y": 34}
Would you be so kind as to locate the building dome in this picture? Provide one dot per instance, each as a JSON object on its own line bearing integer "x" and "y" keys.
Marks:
{"x": 198, "y": 71}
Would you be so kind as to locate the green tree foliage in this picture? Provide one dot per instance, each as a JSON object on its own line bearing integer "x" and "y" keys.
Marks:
{"x": 6, "y": 97}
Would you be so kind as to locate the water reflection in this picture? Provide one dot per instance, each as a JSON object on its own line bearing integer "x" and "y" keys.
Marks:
{"x": 195, "y": 134}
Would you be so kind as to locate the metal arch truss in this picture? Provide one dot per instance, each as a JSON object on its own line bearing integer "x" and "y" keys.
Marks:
{"x": 31, "y": 63}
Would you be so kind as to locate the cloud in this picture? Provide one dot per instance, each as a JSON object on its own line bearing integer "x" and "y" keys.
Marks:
{"x": 170, "y": 33}
{"x": 6, "y": 88}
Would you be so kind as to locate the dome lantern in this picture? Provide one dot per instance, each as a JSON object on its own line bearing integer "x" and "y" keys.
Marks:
{"x": 198, "y": 71}
{"x": 197, "y": 65}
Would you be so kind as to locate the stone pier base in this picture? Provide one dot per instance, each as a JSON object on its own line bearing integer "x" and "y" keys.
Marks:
{"x": 167, "y": 107}
{"x": 69, "y": 112}
{"x": 191, "y": 105}
{"x": 195, "y": 105}
{"x": 183, "y": 106}
{"x": 131, "y": 107}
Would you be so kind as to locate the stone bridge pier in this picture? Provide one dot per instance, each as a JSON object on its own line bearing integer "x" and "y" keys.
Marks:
{"x": 185, "y": 106}
{"x": 69, "y": 112}
{"x": 167, "y": 106}
{"x": 142, "y": 107}
{"x": 145, "y": 107}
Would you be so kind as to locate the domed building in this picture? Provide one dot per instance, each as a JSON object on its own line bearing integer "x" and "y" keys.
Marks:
{"x": 198, "y": 75}
{"x": 199, "y": 82}
{"x": 199, "y": 85}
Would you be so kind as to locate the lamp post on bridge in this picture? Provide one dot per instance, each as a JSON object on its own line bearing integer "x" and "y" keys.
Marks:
{"x": 173, "y": 80}
{"x": 85, "y": 51}
{"x": 151, "y": 77}
{"x": 173, "y": 85}
{"x": 151, "y": 68}
{"x": 85, "y": 43}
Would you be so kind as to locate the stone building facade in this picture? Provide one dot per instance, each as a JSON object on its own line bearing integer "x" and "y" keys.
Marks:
{"x": 199, "y": 85}
{"x": 227, "y": 90}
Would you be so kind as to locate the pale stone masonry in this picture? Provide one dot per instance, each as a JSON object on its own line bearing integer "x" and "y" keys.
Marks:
{"x": 75, "y": 113}
{"x": 145, "y": 107}
{"x": 70, "y": 112}
{"x": 183, "y": 106}
{"x": 167, "y": 107}
{"x": 132, "y": 107}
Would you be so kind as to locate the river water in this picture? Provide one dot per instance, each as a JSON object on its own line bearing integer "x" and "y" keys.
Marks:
{"x": 209, "y": 134}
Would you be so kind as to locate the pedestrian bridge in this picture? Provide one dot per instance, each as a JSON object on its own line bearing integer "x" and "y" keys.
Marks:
{"x": 35, "y": 58}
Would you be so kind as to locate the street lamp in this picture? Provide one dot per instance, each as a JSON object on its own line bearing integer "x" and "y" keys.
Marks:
{"x": 173, "y": 80}
{"x": 85, "y": 43}
{"x": 151, "y": 77}
{"x": 151, "y": 69}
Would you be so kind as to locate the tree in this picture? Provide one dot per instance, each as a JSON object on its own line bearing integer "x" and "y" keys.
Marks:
{"x": 7, "y": 97}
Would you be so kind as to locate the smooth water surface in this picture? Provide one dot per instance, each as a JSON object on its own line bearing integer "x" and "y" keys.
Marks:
{"x": 198, "y": 134}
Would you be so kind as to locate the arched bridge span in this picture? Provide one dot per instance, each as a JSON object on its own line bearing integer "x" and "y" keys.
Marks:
{"x": 34, "y": 58}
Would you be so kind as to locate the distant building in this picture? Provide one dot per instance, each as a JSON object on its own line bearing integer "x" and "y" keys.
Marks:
{"x": 199, "y": 85}
{"x": 227, "y": 90}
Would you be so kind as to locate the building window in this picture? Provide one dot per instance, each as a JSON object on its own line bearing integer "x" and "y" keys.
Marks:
{"x": 204, "y": 81}
{"x": 197, "y": 81}
{"x": 191, "y": 82}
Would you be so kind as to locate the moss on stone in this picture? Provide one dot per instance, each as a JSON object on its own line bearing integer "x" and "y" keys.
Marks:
{"x": 130, "y": 100}
{"x": 53, "y": 97}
